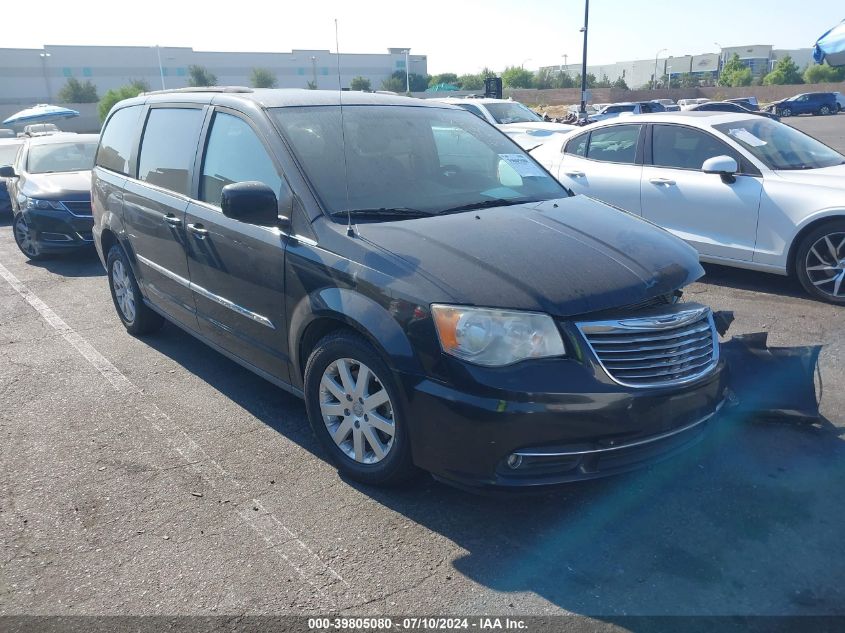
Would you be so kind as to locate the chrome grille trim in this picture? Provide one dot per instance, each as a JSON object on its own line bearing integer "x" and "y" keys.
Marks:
{"x": 78, "y": 208}
{"x": 661, "y": 350}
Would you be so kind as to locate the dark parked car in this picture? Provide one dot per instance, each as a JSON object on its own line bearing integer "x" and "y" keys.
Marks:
{"x": 434, "y": 295}
{"x": 50, "y": 191}
{"x": 822, "y": 103}
{"x": 8, "y": 151}
{"x": 749, "y": 103}
{"x": 727, "y": 106}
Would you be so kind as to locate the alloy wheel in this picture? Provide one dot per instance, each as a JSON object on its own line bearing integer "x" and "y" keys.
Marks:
{"x": 123, "y": 292}
{"x": 24, "y": 237}
{"x": 357, "y": 411}
{"x": 825, "y": 110}
{"x": 825, "y": 264}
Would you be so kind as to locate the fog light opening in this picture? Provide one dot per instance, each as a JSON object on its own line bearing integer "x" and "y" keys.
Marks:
{"x": 514, "y": 461}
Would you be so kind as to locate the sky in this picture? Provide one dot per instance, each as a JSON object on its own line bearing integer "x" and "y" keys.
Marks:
{"x": 461, "y": 36}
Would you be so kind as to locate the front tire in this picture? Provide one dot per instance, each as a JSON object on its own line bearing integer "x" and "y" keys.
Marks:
{"x": 820, "y": 262}
{"x": 136, "y": 316}
{"x": 356, "y": 411}
{"x": 786, "y": 112}
{"x": 25, "y": 238}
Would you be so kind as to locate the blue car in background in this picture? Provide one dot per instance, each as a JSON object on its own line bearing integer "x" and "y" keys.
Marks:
{"x": 8, "y": 151}
{"x": 806, "y": 103}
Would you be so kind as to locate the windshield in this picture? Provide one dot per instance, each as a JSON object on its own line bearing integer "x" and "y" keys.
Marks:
{"x": 8, "y": 153}
{"x": 780, "y": 146}
{"x": 44, "y": 159}
{"x": 410, "y": 159}
{"x": 512, "y": 112}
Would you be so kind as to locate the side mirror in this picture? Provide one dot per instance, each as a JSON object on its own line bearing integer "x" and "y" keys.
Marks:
{"x": 251, "y": 202}
{"x": 725, "y": 166}
{"x": 7, "y": 171}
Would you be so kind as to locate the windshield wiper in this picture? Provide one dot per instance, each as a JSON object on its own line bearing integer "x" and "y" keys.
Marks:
{"x": 382, "y": 212}
{"x": 486, "y": 204}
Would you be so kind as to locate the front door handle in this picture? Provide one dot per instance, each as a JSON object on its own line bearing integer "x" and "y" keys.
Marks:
{"x": 662, "y": 181}
{"x": 574, "y": 174}
{"x": 198, "y": 230}
{"x": 172, "y": 220}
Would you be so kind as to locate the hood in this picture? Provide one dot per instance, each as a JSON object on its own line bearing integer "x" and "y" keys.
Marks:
{"x": 59, "y": 186}
{"x": 830, "y": 177}
{"x": 563, "y": 257}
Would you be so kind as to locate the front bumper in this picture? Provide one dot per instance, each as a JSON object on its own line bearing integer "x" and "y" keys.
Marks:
{"x": 57, "y": 231}
{"x": 594, "y": 429}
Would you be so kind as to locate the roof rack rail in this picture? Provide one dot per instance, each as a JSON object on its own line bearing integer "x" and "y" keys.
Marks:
{"x": 230, "y": 89}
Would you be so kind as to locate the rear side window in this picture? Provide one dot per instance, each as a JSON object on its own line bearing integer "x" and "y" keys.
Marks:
{"x": 169, "y": 146}
{"x": 615, "y": 144}
{"x": 117, "y": 140}
{"x": 234, "y": 154}
{"x": 577, "y": 146}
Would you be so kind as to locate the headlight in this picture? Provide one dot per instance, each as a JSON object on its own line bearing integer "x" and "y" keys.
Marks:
{"x": 496, "y": 337}
{"x": 38, "y": 203}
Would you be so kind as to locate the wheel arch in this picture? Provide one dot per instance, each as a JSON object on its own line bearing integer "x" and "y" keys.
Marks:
{"x": 806, "y": 229}
{"x": 330, "y": 309}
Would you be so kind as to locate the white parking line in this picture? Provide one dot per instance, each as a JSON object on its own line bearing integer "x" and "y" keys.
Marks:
{"x": 281, "y": 539}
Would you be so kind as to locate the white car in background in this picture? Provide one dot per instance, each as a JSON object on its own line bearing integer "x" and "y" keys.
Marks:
{"x": 743, "y": 190}
{"x": 840, "y": 101}
{"x": 524, "y": 126}
{"x": 686, "y": 104}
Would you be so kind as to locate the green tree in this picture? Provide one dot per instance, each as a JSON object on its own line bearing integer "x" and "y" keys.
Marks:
{"x": 360, "y": 83}
{"x": 517, "y": 77}
{"x": 471, "y": 82}
{"x": 199, "y": 76}
{"x": 262, "y": 78}
{"x": 76, "y": 92}
{"x": 604, "y": 82}
{"x": 687, "y": 80}
{"x": 397, "y": 82}
{"x": 785, "y": 72}
{"x": 822, "y": 73}
{"x": 735, "y": 73}
{"x": 620, "y": 84}
{"x": 443, "y": 78}
{"x": 133, "y": 89}
{"x": 311, "y": 85}
{"x": 545, "y": 79}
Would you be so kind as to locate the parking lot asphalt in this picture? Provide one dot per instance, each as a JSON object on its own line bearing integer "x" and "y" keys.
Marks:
{"x": 154, "y": 476}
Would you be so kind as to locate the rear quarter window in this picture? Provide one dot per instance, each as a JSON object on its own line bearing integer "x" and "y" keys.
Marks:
{"x": 117, "y": 140}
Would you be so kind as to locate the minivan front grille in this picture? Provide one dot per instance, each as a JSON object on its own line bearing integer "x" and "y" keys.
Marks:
{"x": 655, "y": 351}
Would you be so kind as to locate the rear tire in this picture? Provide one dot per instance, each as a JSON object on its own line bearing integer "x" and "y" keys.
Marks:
{"x": 824, "y": 110}
{"x": 820, "y": 262}
{"x": 137, "y": 317}
{"x": 367, "y": 443}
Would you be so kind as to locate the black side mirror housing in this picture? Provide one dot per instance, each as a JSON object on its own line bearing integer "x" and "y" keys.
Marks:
{"x": 7, "y": 171}
{"x": 251, "y": 202}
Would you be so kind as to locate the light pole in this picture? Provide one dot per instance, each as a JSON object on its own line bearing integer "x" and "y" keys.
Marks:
{"x": 314, "y": 71}
{"x": 669, "y": 81}
{"x": 407, "y": 52}
{"x": 654, "y": 80}
{"x": 582, "y": 113}
{"x": 44, "y": 57}
{"x": 527, "y": 59}
{"x": 719, "y": 62}
{"x": 160, "y": 68}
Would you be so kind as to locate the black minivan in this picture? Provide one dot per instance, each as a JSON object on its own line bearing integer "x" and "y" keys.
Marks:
{"x": 436, "y": 297}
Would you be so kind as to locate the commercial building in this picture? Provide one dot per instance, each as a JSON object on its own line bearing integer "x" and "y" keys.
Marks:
{"x": 760, "y": 58}
{"x": 36, "y": 75}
